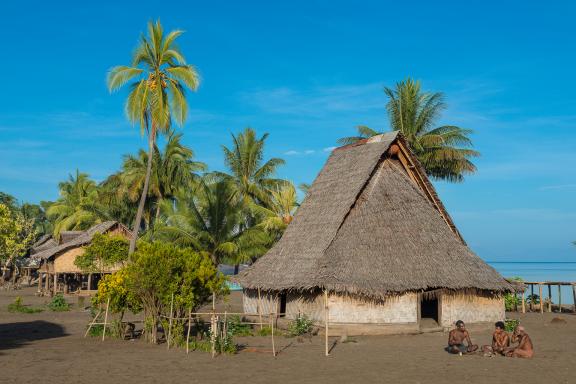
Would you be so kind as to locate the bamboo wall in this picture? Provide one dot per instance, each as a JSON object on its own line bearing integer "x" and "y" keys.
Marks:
{"x": 250, "y": 302}
{"x": 64, "y": 262}
{"x": 471, "y": 309}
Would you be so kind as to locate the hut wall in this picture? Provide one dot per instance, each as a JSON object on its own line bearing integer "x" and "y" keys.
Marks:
{"x": 471, "y": 308}
{"x": 267, "y": 301}
{"x": 348, "y": 309}
{"x": 64, "y": 263}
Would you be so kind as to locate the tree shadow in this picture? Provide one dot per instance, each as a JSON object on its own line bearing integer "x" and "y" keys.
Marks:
{"x": 16, "y": 335}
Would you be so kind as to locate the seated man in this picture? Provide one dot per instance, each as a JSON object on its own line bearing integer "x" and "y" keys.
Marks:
{"x": 456, "y": 340}
{"x": 500, "y": 340}
{"x": 525, "y": 348}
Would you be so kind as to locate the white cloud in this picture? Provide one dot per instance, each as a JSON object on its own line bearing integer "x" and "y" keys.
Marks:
{"x": 291, "y": 153}
{"x": 309, "y": 151}
{"x": 329, "y": 149}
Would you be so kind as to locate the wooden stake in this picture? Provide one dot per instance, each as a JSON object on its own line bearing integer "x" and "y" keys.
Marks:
{"x": 574, "y": 296}
{"x": 523, "y": 302}
{"x": 541, "y": 299}
{"x": 272, "y": 333}
{"x": 259, "y": 308}
{"x": 188, "y": 333}
{"x": 93, "y": 321}
{"x": 105, "y": 319}
{"x": 326, "y": 318}
{"x": 39, "y": 282}
{"x": 559, "y": 298}
{"x": 531, "y": 297}
{"x": 549, "y": 298}
{"x": 89, "y": 282}
{"x": 170, "y": 322}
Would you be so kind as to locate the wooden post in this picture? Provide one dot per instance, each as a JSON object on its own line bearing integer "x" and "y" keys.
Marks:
{"x": 259, "y": 308}
{"x": 559, "y": 298}
{"x": 523, "y": 301}
{"x": 93, "y": 321}
{"x": 213, "y": 326}
{"x": 89, "y": 281}
{"x": 47, "y": 284}
{"x": 105, "y": 319}
{"x": 188, "y": 334}
{"x": 531, "y": 297}
{"x": 326, "y": 318}
{"x": 541, "y": 299}
{"x": 39, "y": 282}
{"x": 170, "y": 322}
{"x": 272, "y": 333}
{"x": 574, "y": 296}
{"x": 549, "y": 298}
{"x": 55, "y": 288}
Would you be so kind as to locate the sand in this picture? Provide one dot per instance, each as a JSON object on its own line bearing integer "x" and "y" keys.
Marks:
{"x": 49, "y": 347}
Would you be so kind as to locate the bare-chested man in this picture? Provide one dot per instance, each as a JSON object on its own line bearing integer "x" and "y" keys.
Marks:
{"x": 525, "y": 348}
{"x": 456, "y": 340}
{"x": 500, "y": 340}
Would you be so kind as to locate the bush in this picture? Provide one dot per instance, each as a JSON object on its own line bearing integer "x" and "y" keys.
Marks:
{"x": 18, "y": 306}
{"x": 533, "y": 299}
{"x": 511, "y": 302}
{"x": 237, "y": 328}
{"x": 265, "y": 331}
{"x": 58, "y": 304}
{"x": 511, "y": 324}
{"x": 301, "y": 326}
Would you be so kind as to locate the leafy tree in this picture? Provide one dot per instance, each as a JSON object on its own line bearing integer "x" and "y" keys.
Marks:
{"x": 211, "y": 220}
{"x": 159, "y": 75}
{"x": 283, "y": 204}
{"x": 443, "y": 151}
{"x": 160, "y": 270}
{"x": 16, "y": 236}
{"x": 104, "y": 251}
{"x": 78, "y": 207}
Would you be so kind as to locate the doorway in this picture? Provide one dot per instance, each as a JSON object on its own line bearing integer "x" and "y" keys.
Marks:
{"x": 429, "y": 309}
{"x": 282, "y": 304}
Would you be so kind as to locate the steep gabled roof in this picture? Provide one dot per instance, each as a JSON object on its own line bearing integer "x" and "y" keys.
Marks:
{"x": 82, "y": 239}
{"x": 372, "y": 224}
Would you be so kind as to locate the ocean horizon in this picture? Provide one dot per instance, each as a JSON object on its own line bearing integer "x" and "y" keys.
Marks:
{"x": 558, "y": 271}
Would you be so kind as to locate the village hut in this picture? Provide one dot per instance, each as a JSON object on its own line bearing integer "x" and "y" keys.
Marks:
{"x": 373, "y": 241}
{"x": 57, "y": 270}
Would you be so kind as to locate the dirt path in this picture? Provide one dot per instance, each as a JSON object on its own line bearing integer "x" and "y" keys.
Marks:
{"x": 49, "y": 348}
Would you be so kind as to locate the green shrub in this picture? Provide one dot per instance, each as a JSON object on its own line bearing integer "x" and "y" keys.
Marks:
{"x": 511, "y": 301}
{"x": 200, "y": 345}
{"x": 265, "y": 331}
{"x": 58, "y": 304}
{"x": 300, "y": 326}
{"x": 511, "y": 324}
{"x": 18, "y": 306}
{"x": 236, "y": 327}
{"x": 533, "y": 299}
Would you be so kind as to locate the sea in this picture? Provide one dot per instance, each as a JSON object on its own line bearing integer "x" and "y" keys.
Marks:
{"x": 539, "y": 271}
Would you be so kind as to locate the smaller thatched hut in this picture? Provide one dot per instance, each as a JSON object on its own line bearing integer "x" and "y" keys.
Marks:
{"x": 57, "y": 269}
{"x": 374, "y": 238}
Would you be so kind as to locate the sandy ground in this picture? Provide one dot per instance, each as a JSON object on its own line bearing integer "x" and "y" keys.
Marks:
{"x": 50, "y": 348}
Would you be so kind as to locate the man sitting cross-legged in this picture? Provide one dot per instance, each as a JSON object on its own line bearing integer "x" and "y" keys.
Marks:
{"x": 500, "y": 340}
{"x": 456, "y": 340}
{"x": 525, "y": 348}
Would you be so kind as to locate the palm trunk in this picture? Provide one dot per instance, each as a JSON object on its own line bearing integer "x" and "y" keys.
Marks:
{"x": 138, "y": 221}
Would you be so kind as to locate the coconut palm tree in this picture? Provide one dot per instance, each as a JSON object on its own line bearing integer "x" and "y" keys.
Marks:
{"x": 172, "y": 170}
{"x": 211, "y": 221}
{"x": 78, "y": 207}
{"x": 443, "y": 151}
{"x": 251, "y": 177}
{"x": 283, "y": 204}
{"x": 159, "y": 75}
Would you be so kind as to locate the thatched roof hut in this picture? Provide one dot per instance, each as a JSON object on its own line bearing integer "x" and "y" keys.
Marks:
{"x": 372, "y": 227}
{"x": 58, "y": 261}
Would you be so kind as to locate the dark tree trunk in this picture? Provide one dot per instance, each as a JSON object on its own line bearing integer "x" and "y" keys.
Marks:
{"x": 236, "y": 268}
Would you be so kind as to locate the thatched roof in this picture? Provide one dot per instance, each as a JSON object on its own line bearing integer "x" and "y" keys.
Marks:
{"x": 43, "y": 243}
{"x": 372, "y": 225}
{"x": 84, "y": 238}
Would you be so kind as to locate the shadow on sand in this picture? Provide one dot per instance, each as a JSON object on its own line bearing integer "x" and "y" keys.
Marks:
{"x": 15, "y": 335}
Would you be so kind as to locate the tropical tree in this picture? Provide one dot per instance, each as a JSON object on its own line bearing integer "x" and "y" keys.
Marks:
{"x": 445, "y": 151}
{"x": 251, "y": 177}
{"x": 172, "y": 169}
{"x": 16, "y": 236}
{"x": 159, "y": 75}
{"x": 78, "y": 207}
{"x": 211, "y": 220}
{"x": 283, "y": 204}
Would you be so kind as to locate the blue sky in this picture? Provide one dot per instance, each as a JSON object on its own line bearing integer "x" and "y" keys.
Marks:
{"x": 307, "y": 73}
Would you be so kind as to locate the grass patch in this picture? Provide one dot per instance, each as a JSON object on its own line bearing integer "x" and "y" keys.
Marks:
{"x": 18, "y": 306}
